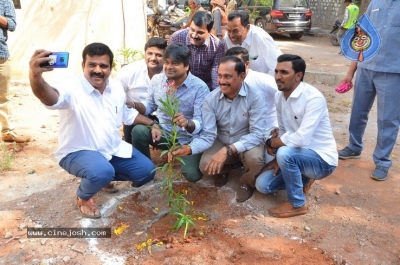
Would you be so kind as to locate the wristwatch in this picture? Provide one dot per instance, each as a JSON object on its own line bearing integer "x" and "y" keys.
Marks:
{"x": 229, "y": 150}
{"x": 153, "y": 123}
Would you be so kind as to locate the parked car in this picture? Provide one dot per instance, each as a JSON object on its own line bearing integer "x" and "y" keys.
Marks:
{"x": 291, "y": 17}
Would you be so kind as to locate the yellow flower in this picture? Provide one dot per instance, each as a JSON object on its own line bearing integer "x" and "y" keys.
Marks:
{"x": 119, "y": 230}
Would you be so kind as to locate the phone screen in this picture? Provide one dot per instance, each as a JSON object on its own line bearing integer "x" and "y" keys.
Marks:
{"x": 57, "y": 60}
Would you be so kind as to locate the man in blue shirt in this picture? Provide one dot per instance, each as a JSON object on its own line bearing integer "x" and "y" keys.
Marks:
{"x": 234, "y": 125}
{"x": 379, "y": 76}
{"x": 190, "y": 91}
{"x": 7, "y": 23}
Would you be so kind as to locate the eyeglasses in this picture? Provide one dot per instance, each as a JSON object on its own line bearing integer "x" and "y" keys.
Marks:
{"x": 235, "y": 31}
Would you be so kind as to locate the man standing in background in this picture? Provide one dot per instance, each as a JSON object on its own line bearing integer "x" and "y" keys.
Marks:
{"x": 262, "y": 49}
{"x": 7, "y": 23}
{"x": 350, "y": 17}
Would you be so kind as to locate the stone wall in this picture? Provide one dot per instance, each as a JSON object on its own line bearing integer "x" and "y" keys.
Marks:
{"x": 325, "y": 12}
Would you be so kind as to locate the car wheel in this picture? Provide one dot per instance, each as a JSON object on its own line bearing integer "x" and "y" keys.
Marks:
{"x": 296, "y": 36}
{"x": 259, "y": 23}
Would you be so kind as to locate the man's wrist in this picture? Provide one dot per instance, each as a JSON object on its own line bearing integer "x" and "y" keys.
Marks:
{"x": 268, "y": 143}
{"x": 153, "y": 123}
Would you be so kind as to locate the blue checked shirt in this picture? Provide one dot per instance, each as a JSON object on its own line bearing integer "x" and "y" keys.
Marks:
{"x": 6, "y": 10}
{"x": 191, "y": 95}
{"x": 204, "y": 61}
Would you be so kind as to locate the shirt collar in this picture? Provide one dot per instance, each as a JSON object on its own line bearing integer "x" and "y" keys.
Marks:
{"x": 298, "y": 90}
{"x": 248, "y": 38}
{"x": 242, "y": 91}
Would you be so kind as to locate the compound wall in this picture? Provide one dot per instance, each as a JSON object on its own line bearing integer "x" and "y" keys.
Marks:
{"x": 325, "y": 12}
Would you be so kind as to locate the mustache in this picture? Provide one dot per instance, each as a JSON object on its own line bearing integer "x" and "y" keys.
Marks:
{"x": 220, "y": 84}
{"x": 97, "y": 75}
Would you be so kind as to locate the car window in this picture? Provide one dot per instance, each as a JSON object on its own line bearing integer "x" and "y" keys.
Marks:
{"x": 293, "y": 3}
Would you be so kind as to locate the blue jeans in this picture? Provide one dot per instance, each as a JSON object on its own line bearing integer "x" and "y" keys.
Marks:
{"x": 297, "y": 167}
{"x": 96, "y": 171}
{"x": 386, "y": 87}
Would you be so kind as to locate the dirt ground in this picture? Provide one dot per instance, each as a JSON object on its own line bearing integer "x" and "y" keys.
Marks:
{"x": 352, "y": 219}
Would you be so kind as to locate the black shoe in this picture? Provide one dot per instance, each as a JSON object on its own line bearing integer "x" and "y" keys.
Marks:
{"x": 220, "y": 179}
{"x": 244, "y": 193}
{"x": 347, "y": 153}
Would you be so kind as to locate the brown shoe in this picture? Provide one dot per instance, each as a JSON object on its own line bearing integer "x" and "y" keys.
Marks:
{"x": 88, "y": 208}
{"x": 11, "y": 137}
{"x": 110, "y": 188}
{"x": 244, "y": 193}
{"x": 307, "y": 187}
{"x": 220, "y": 179}
{"x": 286, "y": 209}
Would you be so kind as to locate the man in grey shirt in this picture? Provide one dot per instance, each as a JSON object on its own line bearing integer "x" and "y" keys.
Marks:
{"x": 379, "y": 76}
{"x": 234, "y": 123}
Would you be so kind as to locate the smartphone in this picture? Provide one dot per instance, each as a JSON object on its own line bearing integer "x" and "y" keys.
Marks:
{"x": 57, "y": 60}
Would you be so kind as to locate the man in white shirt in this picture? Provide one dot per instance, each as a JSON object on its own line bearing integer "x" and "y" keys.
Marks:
{"x": 304, "y": 145}
{"x": 92, "y": 108}
{"x": 135, "y": 77}
{"x": 262, "y": 49}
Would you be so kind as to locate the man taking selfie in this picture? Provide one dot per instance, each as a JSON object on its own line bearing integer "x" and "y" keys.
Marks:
{"x": 92, "y": 108}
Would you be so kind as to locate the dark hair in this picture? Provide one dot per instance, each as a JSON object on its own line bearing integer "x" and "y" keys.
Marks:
{"x": 235, "y": 51}
{"x": 178, "y": 53}
{"x": 201, "y": 18}
{"x": 156, "y": 42}
{"x": 348, "y": 1}
{"x": 97, "y": 49}
{"x": 243, "y": 15}
{"x": 298, "y": 64}
{"x": 240, "y": 67}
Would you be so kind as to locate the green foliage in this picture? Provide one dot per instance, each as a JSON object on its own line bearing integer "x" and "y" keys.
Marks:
{"x": 255, "y": 13}
{"x": 176, "y": 200}
{"x": 6, "y": 157}
{"x": 128, "y": 55}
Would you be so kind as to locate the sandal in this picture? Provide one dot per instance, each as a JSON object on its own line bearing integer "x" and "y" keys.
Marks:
{"x": 110, "y": 188}
{"x": 88, "y": 208}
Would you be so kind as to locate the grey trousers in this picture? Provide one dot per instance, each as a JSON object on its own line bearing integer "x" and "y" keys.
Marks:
{"x": 253, "y": 162}
{"x": 386, "y": 87}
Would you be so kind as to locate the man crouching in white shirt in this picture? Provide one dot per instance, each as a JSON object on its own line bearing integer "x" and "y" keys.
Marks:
{"x": 92, "y": 108}
{"x": 304, "y": 146}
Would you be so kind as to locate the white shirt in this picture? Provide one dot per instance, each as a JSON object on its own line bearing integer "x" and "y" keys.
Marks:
{"x": 135, "y": 80}
{"x": 304, "y": 122}
{"x": 267, "y": 85}
{"x": 91, "y": 121}
{"x": 262, "y": 49}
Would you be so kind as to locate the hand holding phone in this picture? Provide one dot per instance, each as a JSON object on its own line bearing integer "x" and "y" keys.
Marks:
{"x": 57, "y": 60}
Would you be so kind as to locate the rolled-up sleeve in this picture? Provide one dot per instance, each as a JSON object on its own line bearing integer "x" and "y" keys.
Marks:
{"x": 9, "y": 14}
{"x": 207, "y": 136}
{"x": 201, "y": 94}
{"x": 63, "y": 102}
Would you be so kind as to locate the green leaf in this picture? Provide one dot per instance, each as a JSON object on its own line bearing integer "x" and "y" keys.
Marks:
{"x": 180, "y": 160}
{"x": 165, "y": 166}
{"x": 163, "y": 153}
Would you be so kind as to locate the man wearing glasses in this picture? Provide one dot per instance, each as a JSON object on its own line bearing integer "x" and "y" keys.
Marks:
{"x": 262, "y": 49}
{"x": 206, "y": 49}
